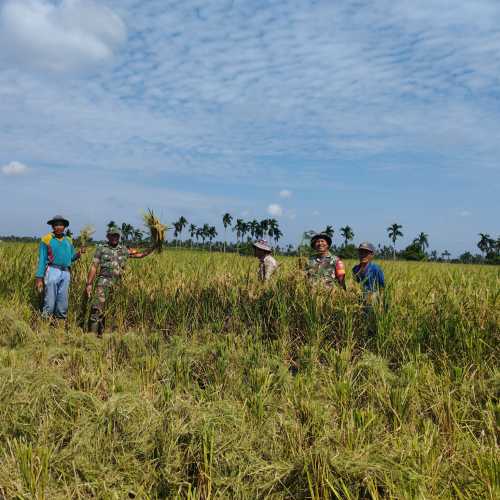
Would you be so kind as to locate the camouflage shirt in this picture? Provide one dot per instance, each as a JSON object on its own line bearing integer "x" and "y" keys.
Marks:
{"x": 328, "y": 269}
{"x": 111, "y": 261}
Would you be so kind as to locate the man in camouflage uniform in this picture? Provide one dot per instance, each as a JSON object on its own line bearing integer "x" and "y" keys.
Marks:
{"x": 108, "y": 265}
{"x": 324, "y": 267}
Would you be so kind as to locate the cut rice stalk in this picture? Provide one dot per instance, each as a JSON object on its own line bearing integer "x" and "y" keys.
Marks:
{"x": 85, "y": 235}
{"x": 157, "y": 230}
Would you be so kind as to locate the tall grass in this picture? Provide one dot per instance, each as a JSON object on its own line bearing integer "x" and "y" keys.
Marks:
{"x": 214, "y": 386}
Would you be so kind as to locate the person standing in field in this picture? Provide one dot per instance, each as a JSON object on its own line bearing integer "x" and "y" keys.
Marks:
{"x": 267, "y": 263}
{"x": 325, "y": 267}
{"x": 367, "y": 273}
{"x": 56, "y": 255}
{"x": 108, "y": 265}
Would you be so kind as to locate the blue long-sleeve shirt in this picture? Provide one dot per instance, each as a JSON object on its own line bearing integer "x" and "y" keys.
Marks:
{"x": 58, "y": 251}
{"x": 371, "y": 278}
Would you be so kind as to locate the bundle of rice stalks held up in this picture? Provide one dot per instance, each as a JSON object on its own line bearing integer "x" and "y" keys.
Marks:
{"x": 85, "y": 235}
{"x": 157, "y": 230}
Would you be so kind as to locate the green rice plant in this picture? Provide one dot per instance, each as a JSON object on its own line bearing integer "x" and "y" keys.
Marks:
{"x": 212, "y": 385}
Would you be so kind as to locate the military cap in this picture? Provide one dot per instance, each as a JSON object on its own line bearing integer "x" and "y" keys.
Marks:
{"x": 113, "y": 230}
{"x": 58, "y": 218}
{"x": 321, "y": 236}
{"x": 366, "y": 245}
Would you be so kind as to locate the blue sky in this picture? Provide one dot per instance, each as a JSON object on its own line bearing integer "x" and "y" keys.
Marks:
{"x": 320, "y": 112}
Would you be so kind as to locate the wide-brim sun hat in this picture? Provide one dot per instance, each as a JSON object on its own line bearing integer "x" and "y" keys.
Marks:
{"x": 263, "y": 245}
{"x": 366, "y": 245}
{"x": 321, "y": 236}
{"x": 58, "y": 218}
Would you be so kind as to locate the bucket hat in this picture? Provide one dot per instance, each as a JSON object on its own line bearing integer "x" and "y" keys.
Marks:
{"x": 366, "y": 245}
{"x": 321, "y": 236}
{"x": 58, "y": 218}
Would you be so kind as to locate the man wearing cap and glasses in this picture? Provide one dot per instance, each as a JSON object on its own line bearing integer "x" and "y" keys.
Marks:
{"x": 367, "y": 273}
{"x": 325, "y": 267}
{"x": 267, "y": 263}
{"x": 56, "y": 255}
{"x": 108, "y": 265}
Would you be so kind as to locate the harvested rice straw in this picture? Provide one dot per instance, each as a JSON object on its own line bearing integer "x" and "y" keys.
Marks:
{"x": 157, "y": 230}
{"x": 86, "y": 235}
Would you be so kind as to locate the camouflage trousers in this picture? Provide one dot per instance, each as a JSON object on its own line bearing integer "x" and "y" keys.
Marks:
{"x": 103, "y": 296}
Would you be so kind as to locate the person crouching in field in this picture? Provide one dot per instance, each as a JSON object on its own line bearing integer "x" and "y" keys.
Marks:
{"x": 367, "y": 273}
{"x": 324, "y": 267}
{"x": 56, "y": 255}
{"x": 108, "y": 264}
{"x": 267, "y": 263}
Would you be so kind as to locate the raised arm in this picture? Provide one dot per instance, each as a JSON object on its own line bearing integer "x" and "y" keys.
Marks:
{"x": 140, "y": 255}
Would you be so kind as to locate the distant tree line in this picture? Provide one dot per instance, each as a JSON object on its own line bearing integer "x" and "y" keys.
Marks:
{"x": 204, "y": 236}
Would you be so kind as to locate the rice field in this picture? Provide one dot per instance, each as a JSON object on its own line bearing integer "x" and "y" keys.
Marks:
{"x": 209, "y": 384}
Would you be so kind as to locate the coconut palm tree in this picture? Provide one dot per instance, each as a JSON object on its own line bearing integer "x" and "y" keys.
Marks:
{"x": 127, "y": 230}
{"x": 347, "y": 234}
{"x": 484, "y": 243}
{"x": 254, "y": 228}
{"x": 329, "y": 231}
{"x": 111, "y": 223}
{"x": 181, "y": 224}
{"x": 422, "y": 240}
{"x": 446, "y": 255}
{"x": 272, "y": 227}
{"x": 239, "y": 227}
{"x": 227, "y": 219}
{"x": 394, "y": 233}
{"x": 192, "y": 233}
{"x": 211, "y": 234}
{"x": 277, "y": 234}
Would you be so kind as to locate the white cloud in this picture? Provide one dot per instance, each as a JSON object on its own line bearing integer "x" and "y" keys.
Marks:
{"x": 14, "y": 168}
{"x": 275, "y": 210}
{"x": 285, "y": 193}
{"x": 64, "y": 37}
{"x": 465, "y": 213}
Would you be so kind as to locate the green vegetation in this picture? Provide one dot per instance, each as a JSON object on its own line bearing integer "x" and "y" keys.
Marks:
{"x": 214, "y": 386}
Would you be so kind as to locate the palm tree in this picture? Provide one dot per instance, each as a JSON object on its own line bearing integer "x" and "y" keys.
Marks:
{"x": 211, "y": 233}
{"x": 347, "y": 234}
{"x": 127, "y": 230}
{"x": 329, "y": 231}
{"x": 205, "y": 232}
{"x": 177, "y": 230}
{"x": 446, "y": 255}
{"x": 227, "y": 218}
{"x": 192, "y": 233}
{"x": 263, "y": 227}
{"x": 422, "y": 240}
{"x": 277, "y": 235}
{"x": 272, "y": 227}
{"x": 239, "y": 227}
{"x": 181, "y": 224}
{"x": 484, "y": 243}
{"x": 394, "y": 233}
{"x": 111, "y": 223}
{"x": 254, "y": 228}
{"x": 137, "y": 235}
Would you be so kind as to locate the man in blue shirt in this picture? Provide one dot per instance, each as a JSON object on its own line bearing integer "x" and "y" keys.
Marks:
{"x": 367, "y": 273}
{"x": 56, "y": 254}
